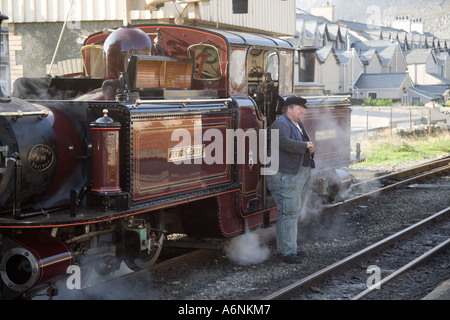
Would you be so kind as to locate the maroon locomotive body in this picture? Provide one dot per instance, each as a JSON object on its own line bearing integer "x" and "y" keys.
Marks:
{"x": 164, "y": 133}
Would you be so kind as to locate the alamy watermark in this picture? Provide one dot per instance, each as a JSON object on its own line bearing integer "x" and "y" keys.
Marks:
{"x": 193, "y": 150}
{"x": 74, "y": 280}
{"x": 374, "y": 280}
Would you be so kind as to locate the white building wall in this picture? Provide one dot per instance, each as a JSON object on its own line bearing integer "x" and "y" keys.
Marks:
{"x": 327, "y": 73}
{"x": 29, "y": 11}
{"x": 445, "y": 69}
{"x": 398, "y": 62}
{"x": 354, "y": 69}
{"x": 432, "y": 65}
{"x": 381, "y": 93}
{"x": 273, "y": 16}
{"x": 423, "y": 73}
{"x": 374, "y": 65}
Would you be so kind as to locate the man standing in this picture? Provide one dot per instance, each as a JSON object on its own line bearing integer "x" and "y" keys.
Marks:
{"x": 289, "y": 185}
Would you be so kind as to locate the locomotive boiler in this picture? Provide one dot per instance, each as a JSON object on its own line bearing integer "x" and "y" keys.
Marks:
{"x": 164, "y": 132}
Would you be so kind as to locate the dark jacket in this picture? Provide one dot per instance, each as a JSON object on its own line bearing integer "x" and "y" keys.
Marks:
{"x": 292, "y": 147}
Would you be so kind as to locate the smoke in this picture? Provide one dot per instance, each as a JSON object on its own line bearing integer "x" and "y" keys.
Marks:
{"x": 312, "y": 206}
{"x": 250, "y": 248}
{"x": 99, "y": 287}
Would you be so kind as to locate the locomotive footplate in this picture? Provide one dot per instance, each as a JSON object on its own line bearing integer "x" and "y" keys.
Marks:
{"x": 55, "y": 217}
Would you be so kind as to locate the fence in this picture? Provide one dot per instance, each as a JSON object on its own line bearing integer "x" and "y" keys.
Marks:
{"x": 368, "y": 119}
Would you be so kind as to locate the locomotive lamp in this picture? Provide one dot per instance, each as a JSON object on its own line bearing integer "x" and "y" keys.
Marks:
{"x": 105, "y": 155}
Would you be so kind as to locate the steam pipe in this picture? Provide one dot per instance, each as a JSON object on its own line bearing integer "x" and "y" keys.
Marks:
{"x": 17, "y": 208}
{"x": 17, "y": 175}
{"x": 8, "y": 174}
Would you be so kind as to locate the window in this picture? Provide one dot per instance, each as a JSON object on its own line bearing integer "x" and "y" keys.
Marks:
{"x": 415, "y": 101}
{"x": 206, "y": 61}
{"x": 240, "y": 6}
{"x": 372, "y": 95}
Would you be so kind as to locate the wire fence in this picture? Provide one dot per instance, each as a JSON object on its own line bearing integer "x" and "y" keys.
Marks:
{"x": 373, "y": 119}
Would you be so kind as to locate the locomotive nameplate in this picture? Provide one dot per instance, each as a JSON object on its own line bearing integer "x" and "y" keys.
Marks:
{"x": 179, "y": 154}
{"x": 325, "y": 135}
{"x": 40, "y": 157}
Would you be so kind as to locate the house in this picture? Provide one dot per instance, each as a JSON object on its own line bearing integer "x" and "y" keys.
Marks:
{"x": 390, "y": 53}
{"x": 420, "y": 95}
{"x": 382, "y": 52}
{"x": 443, "y": 60}
{"x": 321, "y": 32}
{"x": 361, "y": 31}
{"x": 371, "y": 61}
{"x": 422, "y": 64}
{"x": 308, "y": 33}
{"x": 427, "y": 68}
{"x": 334, "y": 36}
{"x": 327, "y": 69}
{"x": 350, "y": 68}
{"x": 383, "y": 85}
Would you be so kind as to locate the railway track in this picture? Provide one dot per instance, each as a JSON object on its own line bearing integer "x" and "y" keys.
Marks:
{"x": 134, "y": 284}
{"x": 378, "y": 186}
{"x": 375, "y": 187}
{"x": 382, "y": 184}
{"x": 353, "y": 261}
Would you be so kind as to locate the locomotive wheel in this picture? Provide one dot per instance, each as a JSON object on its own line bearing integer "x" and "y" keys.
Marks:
{"x": 134, "y": 260}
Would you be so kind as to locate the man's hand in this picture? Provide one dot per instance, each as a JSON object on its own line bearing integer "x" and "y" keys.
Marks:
{"x": 310, "y": 147}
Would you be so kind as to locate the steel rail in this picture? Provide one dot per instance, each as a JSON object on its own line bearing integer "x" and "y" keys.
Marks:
{"x": 354, "y": 258}
{"x": 414, "y": 170}
{"x": 417, "y": 173}
{"x": 442, "y": 246}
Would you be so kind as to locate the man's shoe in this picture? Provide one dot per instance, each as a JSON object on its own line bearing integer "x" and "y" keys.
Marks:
{"x": 301, "y": 253}
{"x": 292, "y": 258}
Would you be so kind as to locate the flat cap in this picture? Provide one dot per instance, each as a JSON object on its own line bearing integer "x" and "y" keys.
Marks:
{"x": 295, "y": 100}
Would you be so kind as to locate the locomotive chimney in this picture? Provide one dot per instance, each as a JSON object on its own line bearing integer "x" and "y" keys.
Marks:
{"x": 306, "y": 64}
{"x": 3, "y": 98}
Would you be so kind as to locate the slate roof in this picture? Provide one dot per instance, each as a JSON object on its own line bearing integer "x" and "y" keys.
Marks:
{"x": 324, "y": 52}
{"x": 381, "y": 80}
{"x": 430, "y": 91}
{"x": 370, "y": 32}
{"x": 344, "y": 56}
{"x": 418, "y": 56}
{"x": 385, "y": 48}
{"x": 366, "y": 56}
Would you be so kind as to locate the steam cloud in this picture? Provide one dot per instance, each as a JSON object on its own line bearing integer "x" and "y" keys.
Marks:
{"x": 250, "y": 248}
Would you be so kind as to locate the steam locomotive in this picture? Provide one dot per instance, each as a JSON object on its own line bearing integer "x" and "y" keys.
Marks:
{"x": 165, "y": 132}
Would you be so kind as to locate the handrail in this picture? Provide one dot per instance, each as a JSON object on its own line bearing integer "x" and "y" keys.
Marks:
{"x": 344, "y": 98}
{"x": 20, "y": 114}
{"x": 184, "y": 102}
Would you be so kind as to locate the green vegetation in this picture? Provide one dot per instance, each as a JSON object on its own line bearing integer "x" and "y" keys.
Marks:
{"x": 391, "y": 150}
{"x": 377, "y": 102}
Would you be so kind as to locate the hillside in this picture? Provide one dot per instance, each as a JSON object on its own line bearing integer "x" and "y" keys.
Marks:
{"x": 434, "y": 13}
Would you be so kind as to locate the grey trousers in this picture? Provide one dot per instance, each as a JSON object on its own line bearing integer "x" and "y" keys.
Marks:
{"x": 289, "y": 192}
